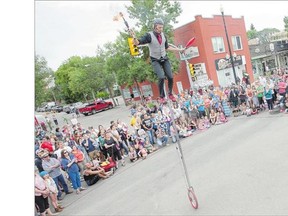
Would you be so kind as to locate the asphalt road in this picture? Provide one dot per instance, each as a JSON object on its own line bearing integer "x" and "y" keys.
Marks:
{"x": 238, "y": 168}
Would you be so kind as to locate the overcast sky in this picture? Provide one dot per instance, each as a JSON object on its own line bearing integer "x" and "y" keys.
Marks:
{"x": 67, "y": 28}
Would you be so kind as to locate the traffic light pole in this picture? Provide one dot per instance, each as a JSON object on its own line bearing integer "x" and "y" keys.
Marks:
{"x": 189, "y": 74}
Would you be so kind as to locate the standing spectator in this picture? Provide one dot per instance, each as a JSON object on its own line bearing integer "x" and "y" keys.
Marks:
{"x": 260, "y": 92}
{"x": 80, "y": 158}
{"x": 41, "y": 193}
{"x": 200, "y": 106}
{"x": 118, "y": 137}
{"x": 60, "y": 146}
{"x": 38, "y": 160}
{"x": 69, "y": 163}
{"x": 55, "y": 120}
{"x": 52, "y": 166}
{"x": 59, "y": 134}
{"x": 51, "y": 185}
{"x": 77, "y": 112}
{"x": 148, "y": 127}
{"x": 233, "y": 98}
{"x": 282, "y": 92}
{"x": 112, "y": 147}
{"x": 249, "y": 93}
{"x": 268, "y": 93}
{"x": 46, "y": 144}
{"x": 87, "y": 143}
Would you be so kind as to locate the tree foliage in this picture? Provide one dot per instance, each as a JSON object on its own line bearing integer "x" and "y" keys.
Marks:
{"x": 80, "y": 77}
{"x": 285, "y": 19}
{"x": 43, "y": 75}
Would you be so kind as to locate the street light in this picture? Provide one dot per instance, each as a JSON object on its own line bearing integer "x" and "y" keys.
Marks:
{"x": 230, "y": 53}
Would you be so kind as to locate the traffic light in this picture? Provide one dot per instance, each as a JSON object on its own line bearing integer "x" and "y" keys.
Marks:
{"x": 134, "y": 51}
{"x": 192, "y": 71}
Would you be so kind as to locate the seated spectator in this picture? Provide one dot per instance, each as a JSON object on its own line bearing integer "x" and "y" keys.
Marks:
{"x": 222, "y": 117}
{"x": 142, "y": 152}
{"x": 92, "y": 174}
{"x": 201, "y": 124}
{"x": 132, "y": 154}
{"x": 213, "y": 117}
{"x": 248, "y": 111}
{"x": 162, "y": 137}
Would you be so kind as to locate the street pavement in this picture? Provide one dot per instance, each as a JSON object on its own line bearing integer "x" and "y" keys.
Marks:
{"x": 238, "y": 168}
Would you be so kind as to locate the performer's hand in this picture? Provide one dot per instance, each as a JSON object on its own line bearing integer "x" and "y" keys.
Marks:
{"x": 181, "y": 49}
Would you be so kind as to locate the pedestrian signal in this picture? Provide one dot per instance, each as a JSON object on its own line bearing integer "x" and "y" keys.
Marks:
{"x": 134, "y": 51}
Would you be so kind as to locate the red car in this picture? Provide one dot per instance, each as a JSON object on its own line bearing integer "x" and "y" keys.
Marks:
{"x": 95, "y": 107}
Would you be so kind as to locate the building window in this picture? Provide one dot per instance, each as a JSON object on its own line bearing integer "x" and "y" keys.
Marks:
{"x": 218, "y": 45}
{"x": 236, "y": 42}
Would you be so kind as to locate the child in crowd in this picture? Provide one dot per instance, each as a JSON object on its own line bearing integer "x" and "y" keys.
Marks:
{"x": 222, "y": 117}
{"x": 132, "y": 154}
{"x": 51, "y": 185}
{"x": 213, "y": 116}
{"x": 254, "y": 110}
{"x": 192, "y": 126}
{"x": 243, "y": 108}
{"x": 142, "y": 152}
{"x": 201, "y": 124}
{"x": 248, "y": 111}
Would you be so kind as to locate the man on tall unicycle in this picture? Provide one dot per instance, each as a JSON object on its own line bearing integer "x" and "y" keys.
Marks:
{"x": 158, "y": 44}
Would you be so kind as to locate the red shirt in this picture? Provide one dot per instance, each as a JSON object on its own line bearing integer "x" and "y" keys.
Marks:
{"x": 47, "y": 145}
{"x": 78, "y": 155}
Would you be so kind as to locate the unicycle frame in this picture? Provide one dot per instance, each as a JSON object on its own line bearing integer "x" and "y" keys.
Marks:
{"x": 191, "y": 194}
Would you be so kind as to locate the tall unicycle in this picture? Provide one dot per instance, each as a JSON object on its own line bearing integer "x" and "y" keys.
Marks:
{"x": 190, "y": 191}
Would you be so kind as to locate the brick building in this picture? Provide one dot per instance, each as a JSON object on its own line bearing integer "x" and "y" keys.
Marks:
{"x": 209, "y": 55}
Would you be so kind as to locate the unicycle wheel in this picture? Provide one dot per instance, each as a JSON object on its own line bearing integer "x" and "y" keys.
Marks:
{"x": 192, "y": 198}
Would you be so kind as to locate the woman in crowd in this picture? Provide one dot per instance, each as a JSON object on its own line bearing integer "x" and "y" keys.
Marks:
{"x": 41, "y": 194}
{"x": 113, "y": 148}
{"x": 69, "y": 164}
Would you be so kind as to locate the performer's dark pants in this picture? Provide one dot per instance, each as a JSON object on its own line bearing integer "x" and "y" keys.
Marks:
{"x": 163, "y": 69}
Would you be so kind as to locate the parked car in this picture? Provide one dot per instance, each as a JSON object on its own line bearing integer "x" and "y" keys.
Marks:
{"x": 94, "y": 107}
{"x": 68, "y": 109}
{"x": 57, "y": 109}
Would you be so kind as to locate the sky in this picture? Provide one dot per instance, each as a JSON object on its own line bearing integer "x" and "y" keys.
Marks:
{"x": 67, "y": 28}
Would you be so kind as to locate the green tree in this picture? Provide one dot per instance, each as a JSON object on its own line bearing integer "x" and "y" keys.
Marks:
{"x": 285, "y": 19}
{"x": 80, "y": 77}
{"x": 43, "y": 75}
{"x": 252, "y": 33}
{"x": 252, "y": 27}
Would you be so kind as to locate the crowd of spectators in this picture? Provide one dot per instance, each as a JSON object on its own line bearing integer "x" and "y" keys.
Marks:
{"x": 74, "y": 154}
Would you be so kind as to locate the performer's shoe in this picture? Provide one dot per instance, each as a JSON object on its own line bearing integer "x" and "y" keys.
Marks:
{"x": 172, "y": 98}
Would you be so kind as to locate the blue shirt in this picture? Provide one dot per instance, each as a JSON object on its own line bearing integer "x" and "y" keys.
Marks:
{"x": 64, "y": 163}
